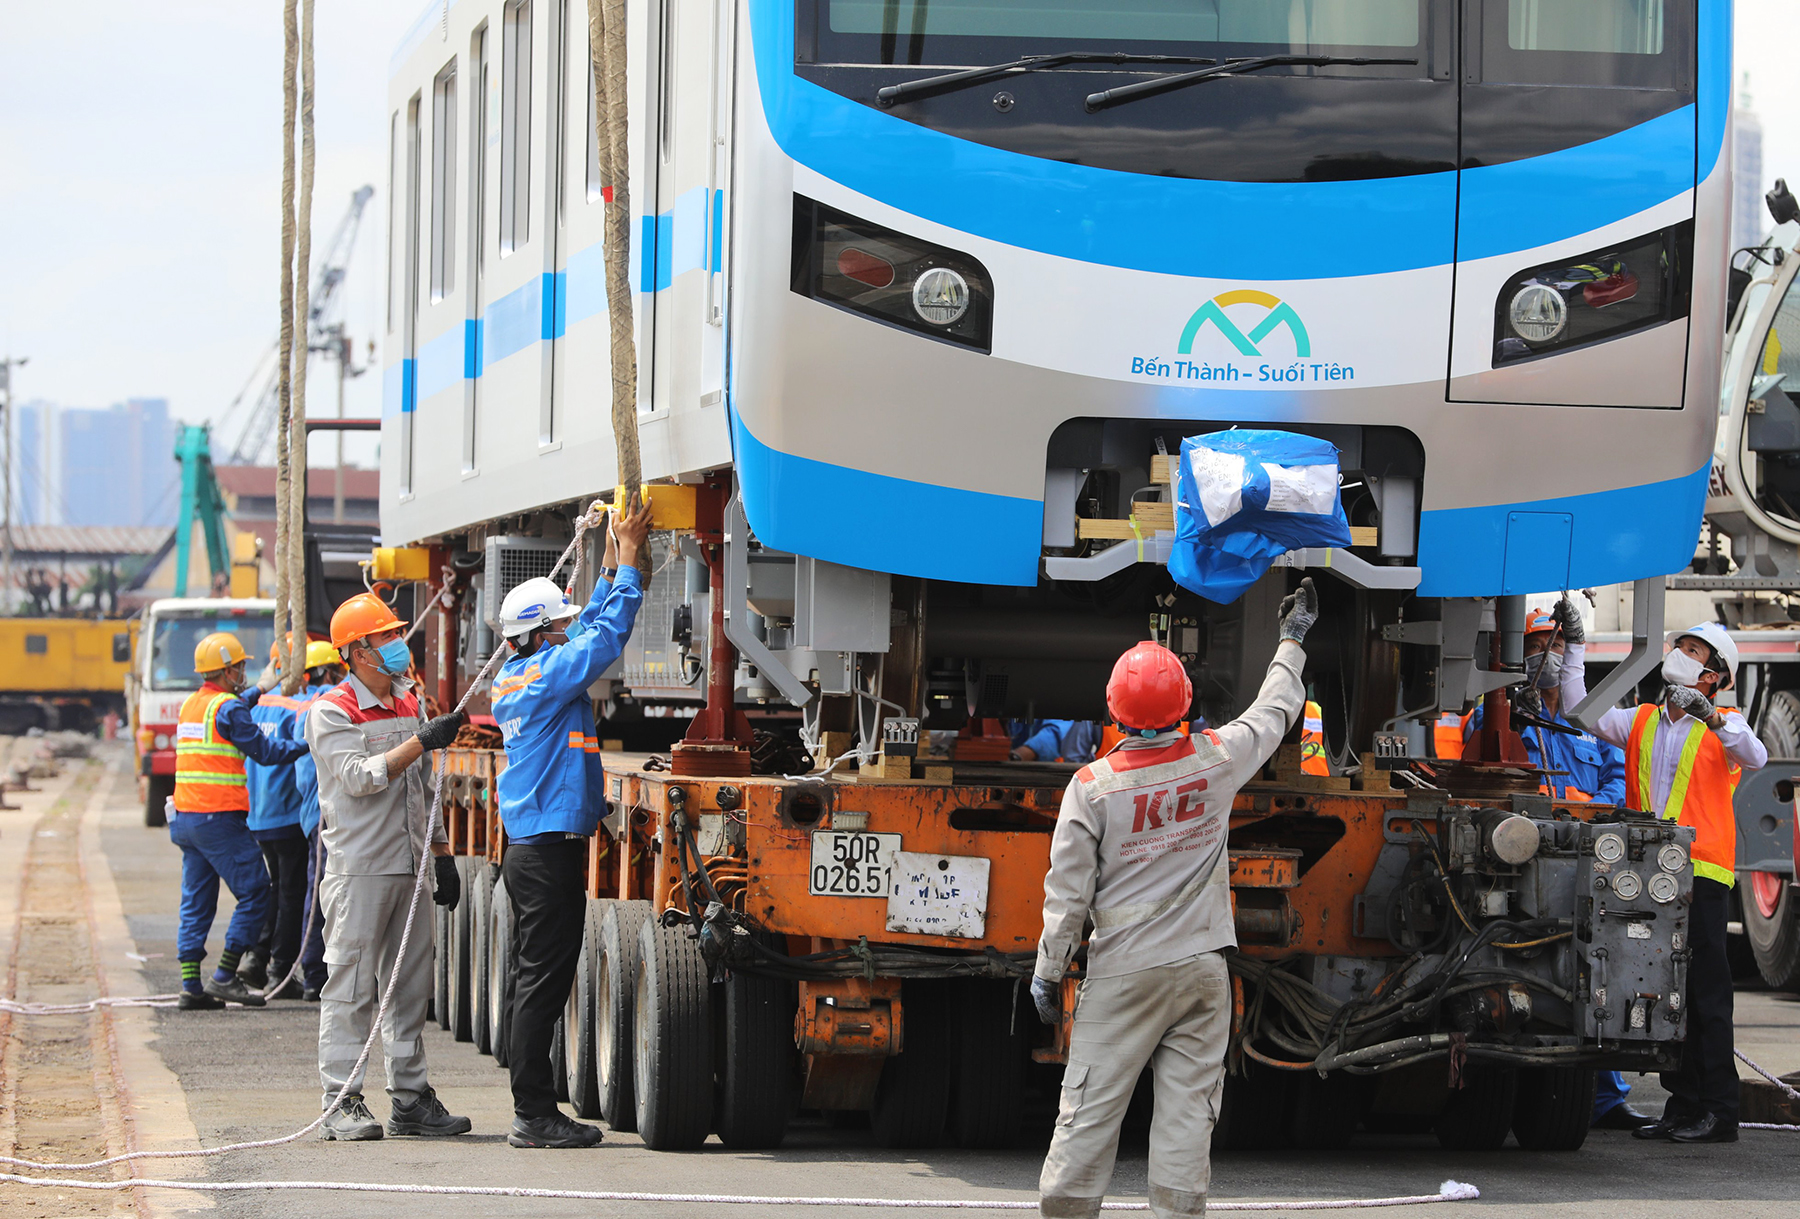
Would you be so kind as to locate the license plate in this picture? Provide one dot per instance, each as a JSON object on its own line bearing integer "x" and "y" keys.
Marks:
{"x": 851, "y": 865}
{"x": 939, "y": 895}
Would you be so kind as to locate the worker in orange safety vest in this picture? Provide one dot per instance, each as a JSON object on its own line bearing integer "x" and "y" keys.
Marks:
{"x": 1683, "y": 759}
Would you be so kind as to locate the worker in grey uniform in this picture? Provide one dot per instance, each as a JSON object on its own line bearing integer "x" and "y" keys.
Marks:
{"x": 1139, "y": 849}
{"x": 367, "y": 734}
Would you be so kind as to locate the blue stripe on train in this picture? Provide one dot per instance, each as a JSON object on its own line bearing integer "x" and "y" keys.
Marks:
{"x": 1231, "y": 230}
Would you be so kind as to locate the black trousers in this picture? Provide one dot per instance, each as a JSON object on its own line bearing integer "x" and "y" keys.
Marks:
{"x": 286, "y": 858}
{"x": 1707, "y": 1079}
{"x": 545, "y": 884}
{"x": 312, "y": 953}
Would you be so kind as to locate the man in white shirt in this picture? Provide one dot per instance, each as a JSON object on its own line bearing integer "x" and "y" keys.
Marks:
{"x": 1139, "y": 849}
{"x": 1683, "y": 758}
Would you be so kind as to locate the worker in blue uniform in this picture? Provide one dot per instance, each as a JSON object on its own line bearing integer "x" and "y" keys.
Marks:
{"x": 1054, "y": 740}
{"x": 1581, "y": 768}
{"x": 551, "y": 797}
{"x": 324, "y": 669}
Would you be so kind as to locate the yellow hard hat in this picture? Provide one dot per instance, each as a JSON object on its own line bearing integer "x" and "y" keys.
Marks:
{"x": 319, "y": 652}
{"x": 220, "y": 650}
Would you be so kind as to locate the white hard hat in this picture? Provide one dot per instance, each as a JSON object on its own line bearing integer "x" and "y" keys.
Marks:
{"x": 1720, "y": 641}
{"x": 531, "y": 604}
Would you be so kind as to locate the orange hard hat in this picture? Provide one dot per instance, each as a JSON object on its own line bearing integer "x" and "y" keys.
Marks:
{"x": 361, "y": 616}
{"x": 1149, "y": 688}
{"x": 219, "y": 650}
{"x": 1538, "y": 621}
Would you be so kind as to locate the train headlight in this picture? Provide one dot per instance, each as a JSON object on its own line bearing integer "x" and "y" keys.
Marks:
{"x": 940, "y": 296}
{"x": 1538, "y": 313}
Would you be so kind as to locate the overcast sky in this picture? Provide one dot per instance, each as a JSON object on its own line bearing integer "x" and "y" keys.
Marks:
{"x": 140, "y": 172}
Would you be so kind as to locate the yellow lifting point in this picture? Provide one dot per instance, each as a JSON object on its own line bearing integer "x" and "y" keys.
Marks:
{"x": 400, "y": 563}
{"x": 672, "y": 506}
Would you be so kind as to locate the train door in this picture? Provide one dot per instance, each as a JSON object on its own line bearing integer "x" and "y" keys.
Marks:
{"x": 691, "y": 87}
{"x": 1575, "y": 202}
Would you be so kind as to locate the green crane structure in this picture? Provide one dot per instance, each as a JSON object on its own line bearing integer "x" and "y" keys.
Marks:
{"x": 200, "y": 496}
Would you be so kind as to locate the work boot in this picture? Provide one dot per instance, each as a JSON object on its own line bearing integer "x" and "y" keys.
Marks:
{"x": 1663, "y": 1129}
{"x": 291, "y": 990}
{"x": 310, "y": 994}
{"x": 253, "y": 970}
{"x": 235, "y": 990}
{"x": 191, "y": 1002}
{"x": 426, "y": 1116}
{"x": 1623, "y": 1117}
{"x": 1707, "y": 1128}
{"x": 553, "y": 1130}
{"x": 351, "y": 1123}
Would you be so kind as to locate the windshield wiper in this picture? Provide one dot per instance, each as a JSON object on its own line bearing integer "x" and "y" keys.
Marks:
{"x": 1231, "y": 67}
{"x": 890, "y": 94}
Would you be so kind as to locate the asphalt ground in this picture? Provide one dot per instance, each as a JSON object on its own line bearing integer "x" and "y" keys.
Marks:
{"x": 202, "y": 1079}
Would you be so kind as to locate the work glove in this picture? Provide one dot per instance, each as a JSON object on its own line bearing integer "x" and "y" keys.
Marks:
{"x": 1047, "y": 997}
{"x": 1568, "y": 620}
{"x": 1299, "y": 610}
{"x": 1691, "y": 701}
{"x": 448, "y": 890}
{"x": 271, "y": 677}
{"x": 438, "y": 733}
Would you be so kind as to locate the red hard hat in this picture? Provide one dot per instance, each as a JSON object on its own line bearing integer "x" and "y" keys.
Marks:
{"x": 1149, "y": 688}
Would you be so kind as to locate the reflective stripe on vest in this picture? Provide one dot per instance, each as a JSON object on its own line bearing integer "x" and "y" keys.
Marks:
{"x": 1447, "y": 736}
{"x": 1312, "y": 741}
{"x": 209, "y": 772}
{"x": 1700, "y": 794}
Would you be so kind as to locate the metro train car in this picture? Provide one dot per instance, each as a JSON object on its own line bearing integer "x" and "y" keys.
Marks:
{"x": 933, "y": 280}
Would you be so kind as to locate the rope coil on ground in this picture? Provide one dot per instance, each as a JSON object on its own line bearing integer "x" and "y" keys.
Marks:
{"x": 1449, "y": 1191}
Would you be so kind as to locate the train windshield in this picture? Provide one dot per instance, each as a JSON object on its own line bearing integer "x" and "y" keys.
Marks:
{"x": 175, "y": 635}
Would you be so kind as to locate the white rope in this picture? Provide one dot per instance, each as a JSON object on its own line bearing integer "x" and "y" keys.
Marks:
{"x": 1449, "y": 1191}
{"x": 1782, "y": 1084}
{"x": 421, "y": 883}
{"x": 18, "y": 1008}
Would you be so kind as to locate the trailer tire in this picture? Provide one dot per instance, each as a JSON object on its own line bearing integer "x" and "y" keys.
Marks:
{"x": 460, "y": 954}
{"x": 1325, "y": 1112}
{"x": 672, "y": 1065}
{"x": 1772, "y": 927}
{"x": 987, "y": 1095}
{"x": 158, "y": 791}
{"x": 1554, "y": 1108}
{"x": 615, "y": 1002}
{"x": 584, "y": 1082}
{"x": 440, "y": 966}
{"x": 756, "y": 1069}
{"x": 1478, "y": 1114}
{"x": 912, "y": 1101}
{"x": 1253, "y": 1109}
{"x": 500, "y": 973}
{"x": 481, "y": 932}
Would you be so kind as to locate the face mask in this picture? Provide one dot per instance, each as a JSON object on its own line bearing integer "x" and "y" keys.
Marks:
{"x": 1680, "y": 669}
{"x": 1545, "y": 669}
{"x": 395, "y": 657}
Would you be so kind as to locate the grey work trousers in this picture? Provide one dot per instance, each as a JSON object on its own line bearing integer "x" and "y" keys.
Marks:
{"x": 364, "y": 919}
{"x": 1175, "y": 1017}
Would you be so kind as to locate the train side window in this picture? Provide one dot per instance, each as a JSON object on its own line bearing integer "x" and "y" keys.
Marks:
{"x": 443, "y": 182}
{"x": 1642, "y": 44}
{"x": 396, "y": 251}
{"x": 515, "y": 126}
{"x": 121, "y": 649}
{"x": 37, "y": 645}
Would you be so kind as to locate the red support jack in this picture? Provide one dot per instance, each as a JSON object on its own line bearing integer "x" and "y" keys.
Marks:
{"x": 718, "y": 741}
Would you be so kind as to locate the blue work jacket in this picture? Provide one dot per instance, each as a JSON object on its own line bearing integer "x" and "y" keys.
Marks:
{"x": 1593, "y": 769}
{"x": 274, "y": 796}
{"x": 1069, "y": 740}
{"x": 304, "y": 774}
{"x": 553, "y": 781}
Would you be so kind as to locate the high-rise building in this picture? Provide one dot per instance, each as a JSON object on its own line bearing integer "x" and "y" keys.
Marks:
{"x": 95, "y": 467}
{"x": 1749, "y": 217}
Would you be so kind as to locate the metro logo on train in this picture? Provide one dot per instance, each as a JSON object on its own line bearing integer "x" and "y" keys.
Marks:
{"x": 1244, "y": 336}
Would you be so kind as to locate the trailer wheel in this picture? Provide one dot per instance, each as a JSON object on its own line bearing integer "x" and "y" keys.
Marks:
{"x": 440, "y": 966}
{"x": 672, "y": 1067}
{"x": 1478, "y": 1115}
{"x": 460, "y": 954}
{"x": 987, "y": 1095}
{"x": 500, "y": 972}
{"x": 756, "y": 1070}
{"x": 615, "y": 1002}
{"x": 481, "y": 933}
{"x": 584, "y": 1083}
{"x": 912, "y": 1101}
{"x": 1253, "y": 1109}
{"x": 1554, "y": 1108}
{"x": 1326, "y": 1111}
{"x": 158, "y": 790}
{"x": 1772, "y": 925}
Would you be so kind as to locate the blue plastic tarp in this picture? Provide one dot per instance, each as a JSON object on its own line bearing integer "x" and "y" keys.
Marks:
{"x": 1243, "y": 498}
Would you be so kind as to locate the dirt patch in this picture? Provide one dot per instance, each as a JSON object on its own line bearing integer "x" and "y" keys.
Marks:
{"x": 55, "y": 1073}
